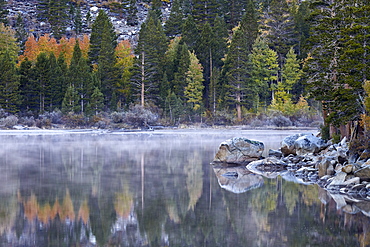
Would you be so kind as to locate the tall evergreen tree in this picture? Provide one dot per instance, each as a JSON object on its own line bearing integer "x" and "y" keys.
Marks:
{"x": 190, "y": 33}
{"x": 21, "y": 32}
{"x": 233, "y": 10}
{"x": 9, "y": 84}
{"x": 101, "y": 25}
{"x": 79, "y": 76}
{"x": 264, "y": 69}
{"x": 28, "y": 88}
{"x": 103, "y": 42}
{"x": 177, "y": 64}
{"x": 156, "y": 8}
{"x": 175, "y": 21}
{"x": 58, "y": 17}
{"x": 302, "y": 28}
{"x": 237, "y": 73}
{"x": 205, "y": 51}
{"x": 57, "y": 82}
{"x": 3, "y": 12}
{"x": 132, "y": 13}
{"x": 151, "y": 48}
{"x": 339, "y": 53}
{"x": 240, "y": 89}
{"x": 70, "y": 102}
{"x": 205, "y": 11}
{"x": 43, "y": 81}
{"x": 291, "y": 72}
{"x": 280, "y": 27}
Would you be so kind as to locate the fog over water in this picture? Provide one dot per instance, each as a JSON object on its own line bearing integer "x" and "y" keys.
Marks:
{"x": 157, "y": 188}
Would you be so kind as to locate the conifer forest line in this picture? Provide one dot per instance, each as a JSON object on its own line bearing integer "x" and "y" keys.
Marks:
{"x": 261, "y": 62}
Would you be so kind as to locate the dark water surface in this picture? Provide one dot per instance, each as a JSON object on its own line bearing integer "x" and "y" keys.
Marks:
{"x": 159, "y": 189}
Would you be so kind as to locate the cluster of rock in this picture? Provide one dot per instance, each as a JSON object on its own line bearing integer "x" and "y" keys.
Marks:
{"x": 302, "y": 158}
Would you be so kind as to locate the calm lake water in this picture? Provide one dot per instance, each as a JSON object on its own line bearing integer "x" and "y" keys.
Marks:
{"x": 159, "y": 189}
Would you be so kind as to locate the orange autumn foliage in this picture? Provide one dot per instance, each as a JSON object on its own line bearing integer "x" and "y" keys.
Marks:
{"x": 49, "y": 45}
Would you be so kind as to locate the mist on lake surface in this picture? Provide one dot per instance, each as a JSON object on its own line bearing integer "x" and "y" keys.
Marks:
{"x": 96, "y": 188}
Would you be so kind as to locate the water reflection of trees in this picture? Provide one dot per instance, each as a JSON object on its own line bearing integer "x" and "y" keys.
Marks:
{"x": 156, "y": 196}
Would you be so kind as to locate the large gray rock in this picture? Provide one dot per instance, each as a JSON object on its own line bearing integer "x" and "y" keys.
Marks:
{"x": 302, "y": 144}
{"x": 239, "y": 150}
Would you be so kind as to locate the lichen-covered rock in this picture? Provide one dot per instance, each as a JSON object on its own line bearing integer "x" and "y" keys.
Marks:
{"x": 301, "y": 144}
{"x": 309, "y": 144}
{"x": 239, "y": 150}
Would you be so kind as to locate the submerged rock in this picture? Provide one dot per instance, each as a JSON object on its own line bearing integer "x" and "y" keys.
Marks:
{"x": 239, "y": 150}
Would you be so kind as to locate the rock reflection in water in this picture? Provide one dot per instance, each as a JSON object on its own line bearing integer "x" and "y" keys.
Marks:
{"x": 237, "y": 179}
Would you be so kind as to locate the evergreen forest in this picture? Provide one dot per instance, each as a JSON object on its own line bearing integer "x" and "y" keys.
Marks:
{"x": 215, "y": 62}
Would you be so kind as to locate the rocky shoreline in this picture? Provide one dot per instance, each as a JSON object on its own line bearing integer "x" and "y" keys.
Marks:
{"x": 302, "y": 158}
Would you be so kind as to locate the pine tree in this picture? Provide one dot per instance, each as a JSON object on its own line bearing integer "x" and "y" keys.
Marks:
{"x": 43, "y": 80}
{"x": 291, "y": 72}
{"x": 264, "y": 69}
{"x": 3, "y": 12}
{"x": 236, "y": 71}
{"x": 79, "y": 75}
{"x": 21, "y": 32}
{"x": 176, "y": 65}
{"x": 151, "y": 48}
{"x": 205, "y": 11}
{"x": 103, "y": 42}
{"x": 233, "y": 12}
{"x": 237, "y": 74}
{"x": 58, "y": 17}
{"x": 194, "y": 88}
{"x": 108, "y": 73}
{"x": 190, "y": 33}
{"x": 28, "y": 88}
{"x": 75, "y": 16}
{"x": 214, "y": 89}
{"x": 101, "y": 25}
{"x": 302, "y": 28}
{"x": 156, "y": 8}
{"x": 9, "y": 84}
{"x": 174, "y": 23}
{"x": 96, "y": 103}
{"x": 280, "y": 27}
{"x": 70, "y": 102}
{"x": 132, "y": 13}
{"x": 327, "y": 74}
{"x": 57, "y": 81}
{"x": 174, "y": 108}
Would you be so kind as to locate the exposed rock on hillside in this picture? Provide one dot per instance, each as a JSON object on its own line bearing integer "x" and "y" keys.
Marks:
{"x": 32, "y": 25}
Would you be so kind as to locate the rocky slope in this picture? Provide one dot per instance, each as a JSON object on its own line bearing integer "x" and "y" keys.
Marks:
{"x": 28, "y": 11}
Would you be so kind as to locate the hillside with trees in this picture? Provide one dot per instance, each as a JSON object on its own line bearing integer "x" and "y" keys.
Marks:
{"x": 250, "y": 62}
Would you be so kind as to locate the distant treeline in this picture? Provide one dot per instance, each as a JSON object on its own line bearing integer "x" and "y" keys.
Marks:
{"x": 208, "y": 60}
